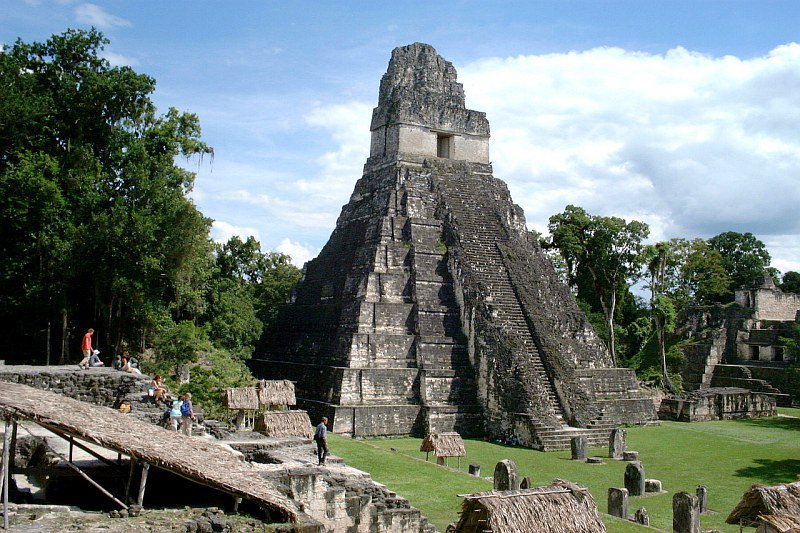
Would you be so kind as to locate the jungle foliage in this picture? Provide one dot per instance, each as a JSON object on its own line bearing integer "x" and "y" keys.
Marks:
{"x": 97, "y": 228}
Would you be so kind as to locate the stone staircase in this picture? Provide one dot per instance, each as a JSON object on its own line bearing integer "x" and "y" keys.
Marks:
{"x": 741, "y": 376}
{"x": 468, "y": 199}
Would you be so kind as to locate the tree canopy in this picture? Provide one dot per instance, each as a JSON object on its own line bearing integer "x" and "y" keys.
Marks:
{"x": 96, "y": 226}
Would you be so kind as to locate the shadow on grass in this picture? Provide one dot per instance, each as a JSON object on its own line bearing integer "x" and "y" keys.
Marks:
{"x": 772, "y": 472}
{"x": 774, "y": 422}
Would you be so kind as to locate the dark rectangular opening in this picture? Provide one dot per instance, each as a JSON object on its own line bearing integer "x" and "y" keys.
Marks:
{"x": 443, "y": 145}
{"x": 754, "y": 355}
{"x": 778, "y": 353}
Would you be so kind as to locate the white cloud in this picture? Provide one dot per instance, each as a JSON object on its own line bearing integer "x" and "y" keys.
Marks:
{"x": 299, "y": 253}
{"x": 95, "y": 15}
{"x": 692, "y": 144}
{"x": 223, "y": 231}
{"x": 118, "y": 60}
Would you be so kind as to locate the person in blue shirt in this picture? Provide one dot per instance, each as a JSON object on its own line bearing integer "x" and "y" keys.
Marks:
{"x": 321, "y": 438}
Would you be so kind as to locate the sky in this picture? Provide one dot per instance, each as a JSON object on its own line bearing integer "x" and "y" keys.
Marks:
{"x": 682, "y": 114}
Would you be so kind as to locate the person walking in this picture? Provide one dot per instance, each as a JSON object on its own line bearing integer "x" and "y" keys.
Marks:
{"x": 321, "y": 437}
{"x": 86, "y": 346}
{"x": 175, "y": 414}
{"x": 187, "y": 414}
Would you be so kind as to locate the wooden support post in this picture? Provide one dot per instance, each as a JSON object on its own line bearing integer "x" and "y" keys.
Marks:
{"x": 143, "y": 482}
{"x": 426, "y": 455}
{"x": 236, "y": 501}
{"x": 70, "y": 448}
{"x": 130, "y": 480}
{"x": 13, "y": 448}
{"x": 85, "y": 448}
{"x": 6, "y": 468}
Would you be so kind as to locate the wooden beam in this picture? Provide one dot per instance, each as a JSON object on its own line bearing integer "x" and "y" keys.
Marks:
{"x": 85, "y": 448}
{"x": 130, "y": 480}
{"x": 6, "y": 454}
{"x": 80, "y": 472}
{"x": 143, "y": 482}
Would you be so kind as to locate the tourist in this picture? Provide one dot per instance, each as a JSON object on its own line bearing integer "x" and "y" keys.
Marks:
{"x": 129, "y": 364}
{"x": 187, "y": 414}
{"x": 321, "y": 437}
{"x": 175, "y": 413}
{"x": 158, "y": 388}
{"x": 86, "y": 346}
{"x": 94, "y": 360}
{"x": 118, "y": 362}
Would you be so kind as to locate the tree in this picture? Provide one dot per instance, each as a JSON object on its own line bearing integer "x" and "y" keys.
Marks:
{"x": 705, "y": 279}
{"x": 608, "y": 248}
{"x": 663, "y": 260}
{"x": 791, "y": 282}
{"x": 95, "y": 225}
{"x": 744, "y": 258}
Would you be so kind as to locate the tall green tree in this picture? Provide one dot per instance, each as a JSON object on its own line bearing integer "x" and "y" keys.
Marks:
{"x": 705, "y": 279}
{"x": 663, "y": 261}
{"x": 791, "y": 282}
{"x": 95, "y": 225}
{"x": 744, "y": 257}
{"x": 608, "y": 248}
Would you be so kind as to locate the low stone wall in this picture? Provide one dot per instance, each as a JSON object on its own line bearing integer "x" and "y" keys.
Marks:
{"x": 100, "y": 386}
{"x": 717, "y": 404}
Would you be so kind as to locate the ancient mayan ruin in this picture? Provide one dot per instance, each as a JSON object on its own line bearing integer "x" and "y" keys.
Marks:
{"x": 432, "y": 308}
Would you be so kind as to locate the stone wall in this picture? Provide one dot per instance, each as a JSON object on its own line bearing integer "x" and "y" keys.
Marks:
{"x": 717, "y": 404}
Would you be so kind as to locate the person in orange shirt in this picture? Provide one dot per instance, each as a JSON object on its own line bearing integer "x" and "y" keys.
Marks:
{"x": 86, "y": 346}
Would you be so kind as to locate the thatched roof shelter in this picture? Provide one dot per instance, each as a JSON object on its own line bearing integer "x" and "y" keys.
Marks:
{"x": 284, "y": 424}
{"x": 778, "y": 523}
{"x": 241, "y": 398}
{"x": 276, "y": 392}
{"x": 562, "y": 507}
{"x": 444, "y": 445}
{"x": 195, "y": 459}
{"x": 765, "y": 500}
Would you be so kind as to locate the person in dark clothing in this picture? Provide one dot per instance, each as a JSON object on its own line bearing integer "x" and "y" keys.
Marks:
{"x": 321, "y": 437}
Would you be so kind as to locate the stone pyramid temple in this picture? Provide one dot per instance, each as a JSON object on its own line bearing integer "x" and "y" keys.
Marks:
{"x": 432, "y": 308}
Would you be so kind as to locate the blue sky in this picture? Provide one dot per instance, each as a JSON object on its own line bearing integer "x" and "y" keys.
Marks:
{"x": 681, "y": 114}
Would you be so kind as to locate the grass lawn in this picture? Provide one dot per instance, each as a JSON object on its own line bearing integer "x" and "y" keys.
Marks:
{"x": 726, "y": 456}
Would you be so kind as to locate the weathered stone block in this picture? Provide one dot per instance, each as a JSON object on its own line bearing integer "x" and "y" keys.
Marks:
{"x": 634, "y": 478}
{"x": 617, "y": 443}
{"x": 578, "y": 447}
{"x": 652, "y": 485}
{"x": 685, "y": 513}
{"x": 506, "y": 476}
{"x": 618, "y": 502}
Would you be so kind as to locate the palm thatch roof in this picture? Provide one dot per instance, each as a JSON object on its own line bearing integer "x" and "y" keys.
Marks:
{"x": 241, "y": 398}
{"x": 781, "y": 522}
{"x": 276, "y": 392}
{"x": 765, "y": 500}
{"x": 444, "y": 445}
{"x": 284, "y": 424}
{"x": 562, "y": 507}
{"x": 196, "y": 459}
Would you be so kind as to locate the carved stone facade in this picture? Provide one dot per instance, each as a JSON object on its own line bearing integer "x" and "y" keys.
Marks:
{"x": 739, "y": 345}
{"x": 431, "y": 308}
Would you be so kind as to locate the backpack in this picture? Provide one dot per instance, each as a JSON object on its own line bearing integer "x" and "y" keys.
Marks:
{"x": 186, "y": 408}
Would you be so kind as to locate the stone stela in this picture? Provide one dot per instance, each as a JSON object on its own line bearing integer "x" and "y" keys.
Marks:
{"x": 432, "y": 308}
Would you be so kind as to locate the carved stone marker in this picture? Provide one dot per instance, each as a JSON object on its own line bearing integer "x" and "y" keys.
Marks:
{"x": 685, "y": 513}
{"x": 595, "y": 460}
{"x": 578, "y": 447}
{"x": 506, "y": 476}
{"x": 641, "y": 517}
{"x": 526, "y": 483}
{"x": 618, "y": 502}
{"x": 617, "y": 443}
{"x": 634, "y": 478}
{"x": 652, "y": 485}
{"x": 702, "y": 498}
{"x": 630, "y": 456}
{"x": 475, "y": 470}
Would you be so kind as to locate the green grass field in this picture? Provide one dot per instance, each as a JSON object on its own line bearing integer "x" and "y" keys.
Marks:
{"x": 726, "y": 456}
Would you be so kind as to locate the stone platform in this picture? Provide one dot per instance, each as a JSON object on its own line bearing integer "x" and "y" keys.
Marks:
{"x": 717, "y": 403}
